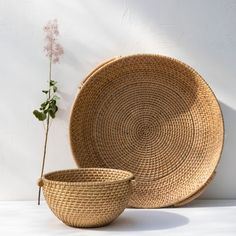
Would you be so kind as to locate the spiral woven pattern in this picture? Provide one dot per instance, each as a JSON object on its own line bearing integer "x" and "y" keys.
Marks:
{"x": 154, "y": 116}
{"x": 89, "y": 197}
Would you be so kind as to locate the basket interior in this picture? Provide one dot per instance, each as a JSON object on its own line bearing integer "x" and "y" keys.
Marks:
{"x": 154, "y": 116}
{"x": 88, "y": 175}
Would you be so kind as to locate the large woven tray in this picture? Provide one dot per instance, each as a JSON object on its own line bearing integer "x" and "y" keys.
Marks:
{"x": 154, "y": 116}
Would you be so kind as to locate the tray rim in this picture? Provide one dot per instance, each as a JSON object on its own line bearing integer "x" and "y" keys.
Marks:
{"x": 203, "y": 186}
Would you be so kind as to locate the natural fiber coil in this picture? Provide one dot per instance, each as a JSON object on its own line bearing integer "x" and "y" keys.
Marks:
{"x": 197, "y": 194}
{"x": 154, "y": 116}
{"x": 87, "y": 197}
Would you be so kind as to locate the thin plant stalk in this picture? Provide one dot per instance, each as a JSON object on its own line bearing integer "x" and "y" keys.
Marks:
{"x": 47, "y": 130}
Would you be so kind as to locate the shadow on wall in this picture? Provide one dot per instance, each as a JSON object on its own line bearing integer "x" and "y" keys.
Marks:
{"x": 206, "y": 40}
{"x": 223, "y": 185}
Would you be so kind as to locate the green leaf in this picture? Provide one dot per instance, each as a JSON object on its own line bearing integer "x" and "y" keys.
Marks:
{"x": 56, "y": 107}
{"x": 52, "y": 113}
{"x": 45, "y": 91}
{"x": 53, "y": 101}
{"x": 47, "y": 106}
{"x": 44, "y": 107}
{"x": 53, "y": 109}
{"x": 44, "y": 104}
{"x": 39, "y": 115}
{"x": 54, "y": 88}
{"x": 52, "y": 82}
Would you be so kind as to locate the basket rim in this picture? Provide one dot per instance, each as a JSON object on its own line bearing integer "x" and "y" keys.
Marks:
{"x": 87, "y": 183}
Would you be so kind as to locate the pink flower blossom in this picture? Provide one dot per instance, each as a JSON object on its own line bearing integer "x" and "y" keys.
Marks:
{"x": 53, "y": 49}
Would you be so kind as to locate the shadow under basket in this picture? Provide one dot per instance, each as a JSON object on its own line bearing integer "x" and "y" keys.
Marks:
{"x": 87, "y": 197}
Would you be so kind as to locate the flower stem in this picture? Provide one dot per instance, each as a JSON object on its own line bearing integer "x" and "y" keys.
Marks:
{"x": 47, "y": 130}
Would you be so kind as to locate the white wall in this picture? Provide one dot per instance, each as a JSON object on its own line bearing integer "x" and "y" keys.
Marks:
{"x": 201, "y": 33}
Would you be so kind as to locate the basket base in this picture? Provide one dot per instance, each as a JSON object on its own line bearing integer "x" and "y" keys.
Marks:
{"x": 89, "y": 225}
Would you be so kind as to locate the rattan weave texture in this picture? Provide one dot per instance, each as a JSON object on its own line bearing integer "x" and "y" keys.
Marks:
{"x": 154, "y": 116}
{"x": 87, "y": 197}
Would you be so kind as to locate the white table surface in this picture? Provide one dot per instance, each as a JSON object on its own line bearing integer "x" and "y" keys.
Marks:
{"x": 201, "y": 217}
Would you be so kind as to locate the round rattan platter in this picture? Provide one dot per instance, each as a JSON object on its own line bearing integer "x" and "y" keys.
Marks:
{"x": 154, "y": 116}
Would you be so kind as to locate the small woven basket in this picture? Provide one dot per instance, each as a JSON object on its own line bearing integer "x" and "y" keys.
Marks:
{"x": 87, "y": 197}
